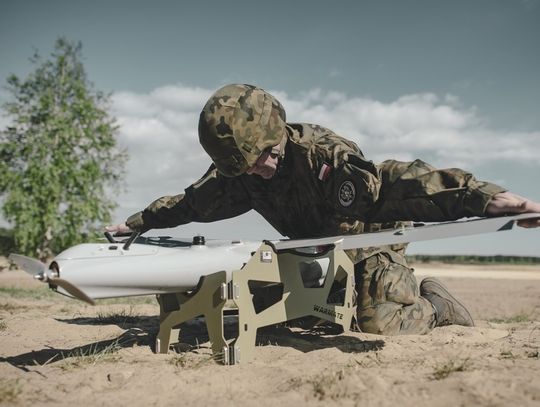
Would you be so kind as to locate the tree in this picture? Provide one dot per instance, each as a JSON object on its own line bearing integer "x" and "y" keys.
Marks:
{"x": 59, "y": 158}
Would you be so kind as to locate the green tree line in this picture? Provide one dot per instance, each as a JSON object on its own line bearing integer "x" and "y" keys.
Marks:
{"x": 473, "y": 259}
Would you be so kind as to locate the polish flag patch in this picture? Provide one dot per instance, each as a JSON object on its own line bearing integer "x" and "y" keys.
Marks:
{"x": 324, "y": 172}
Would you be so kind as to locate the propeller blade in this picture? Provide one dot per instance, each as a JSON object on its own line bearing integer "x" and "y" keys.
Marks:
{"x": 35, "y": 267}
{"x": 73, "y": 290}
{"x": 28, "y": 264}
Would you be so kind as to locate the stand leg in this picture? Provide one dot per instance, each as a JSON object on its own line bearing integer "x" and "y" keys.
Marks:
{"x": 297, "y": 301}
{"x": 206, "y": 301}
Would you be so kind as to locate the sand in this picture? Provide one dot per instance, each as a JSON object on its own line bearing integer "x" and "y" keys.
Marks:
{"x": 58, "y": 351}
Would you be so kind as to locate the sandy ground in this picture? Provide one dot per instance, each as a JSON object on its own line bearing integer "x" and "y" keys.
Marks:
{"x": 57, "y": 351}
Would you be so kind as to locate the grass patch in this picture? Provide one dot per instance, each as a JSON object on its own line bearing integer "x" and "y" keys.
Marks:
{"x": 188, "y": 360}
{"x": 91, "y": 355}
{"x": 511, "y": 319}
{"x": 446, "y": 369}
{"x": 535, "y": 354}
{"x": 12, "y": 308}
{"x": 145, "y": 299}
{"x": 327, "y": 386}
{"x": 330, "y": 385}
{"x": 506, "y": 354}
{"x": 118, "y": 318}
{"x": 34, "y": 293}
{"x": 3, "y": 325}
{"x": 10, "y": 390}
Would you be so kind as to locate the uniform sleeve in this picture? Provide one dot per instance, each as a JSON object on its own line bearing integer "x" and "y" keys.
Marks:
{"x": 417, "y": 191}
{"x": 214, "y": 197}
{"x": 352, "y": 186}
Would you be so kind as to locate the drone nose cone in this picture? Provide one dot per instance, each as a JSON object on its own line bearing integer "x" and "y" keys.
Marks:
{"x": 40, "y": 276}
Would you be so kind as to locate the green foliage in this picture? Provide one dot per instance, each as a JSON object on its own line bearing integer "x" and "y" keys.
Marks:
{"x": 58, "y": 156}
{"x": 7, "y": 242}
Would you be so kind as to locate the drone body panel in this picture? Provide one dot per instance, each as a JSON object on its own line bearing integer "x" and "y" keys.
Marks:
{"x": 106, "y": 270}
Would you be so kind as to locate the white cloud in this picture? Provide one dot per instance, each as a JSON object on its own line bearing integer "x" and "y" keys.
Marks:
{"x": 530, "y": 4}
{"x": 419, "y": 125}
{"x": 160, "y": 131}
{"x": 334, "y": 73}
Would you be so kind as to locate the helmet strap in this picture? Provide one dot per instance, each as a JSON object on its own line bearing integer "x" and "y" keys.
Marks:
{"x": 279, "y": 149}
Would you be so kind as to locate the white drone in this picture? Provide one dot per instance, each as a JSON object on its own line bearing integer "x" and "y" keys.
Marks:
{"x": 197, "y": 277}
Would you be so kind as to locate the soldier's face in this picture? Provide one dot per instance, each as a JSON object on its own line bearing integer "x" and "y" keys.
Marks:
{"x": 265, "y": 166}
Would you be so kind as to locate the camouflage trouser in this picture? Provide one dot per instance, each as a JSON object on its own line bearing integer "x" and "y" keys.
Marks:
{"x": 389, "y": 301}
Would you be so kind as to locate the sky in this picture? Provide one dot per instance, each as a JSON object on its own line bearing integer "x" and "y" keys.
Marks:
{"x": 456, "y": 84}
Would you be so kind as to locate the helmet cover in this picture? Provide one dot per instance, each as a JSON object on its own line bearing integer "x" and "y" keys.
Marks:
{"x": 237, "y": 124}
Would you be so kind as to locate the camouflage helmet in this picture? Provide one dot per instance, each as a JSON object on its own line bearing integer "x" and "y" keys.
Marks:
{"x": 237, "y": 124}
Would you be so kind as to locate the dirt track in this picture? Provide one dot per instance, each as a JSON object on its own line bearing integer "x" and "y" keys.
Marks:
{"x": 57, "y": 351}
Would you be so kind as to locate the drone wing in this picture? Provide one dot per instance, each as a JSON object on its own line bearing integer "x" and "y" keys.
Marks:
{"x": 416, "y": 233}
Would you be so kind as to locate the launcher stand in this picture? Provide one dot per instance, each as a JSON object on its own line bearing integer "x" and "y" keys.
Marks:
{"x": 272, "y": 287}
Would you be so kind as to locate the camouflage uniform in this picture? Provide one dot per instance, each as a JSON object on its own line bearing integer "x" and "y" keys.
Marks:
{"x": 324, "y": 186}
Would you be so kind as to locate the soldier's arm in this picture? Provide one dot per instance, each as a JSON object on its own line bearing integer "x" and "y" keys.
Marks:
{"x": 214, "y": 197}
{"x": 419, "y": 192}
{"x": 352, "y": 184}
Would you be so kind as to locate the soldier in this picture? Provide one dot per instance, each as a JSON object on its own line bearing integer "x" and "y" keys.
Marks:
{"x": 307, "y": 181}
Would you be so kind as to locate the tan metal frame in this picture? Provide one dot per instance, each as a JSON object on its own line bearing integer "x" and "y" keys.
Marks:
{"x": 267, "y": 265}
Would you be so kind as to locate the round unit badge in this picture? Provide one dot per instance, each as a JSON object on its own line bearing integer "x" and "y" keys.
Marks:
{"x": 346, "y": 193}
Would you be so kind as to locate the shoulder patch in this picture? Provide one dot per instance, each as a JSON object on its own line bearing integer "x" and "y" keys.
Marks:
{"x": 324, "y": 172}
{"x": 346, "y": 193}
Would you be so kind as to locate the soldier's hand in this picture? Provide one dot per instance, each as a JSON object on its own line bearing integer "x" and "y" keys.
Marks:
{"x": 121, "y": 228}
{"x": 508, "y": 202}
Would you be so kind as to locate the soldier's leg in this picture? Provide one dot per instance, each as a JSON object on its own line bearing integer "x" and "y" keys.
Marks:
{"x": 389, "y": 301}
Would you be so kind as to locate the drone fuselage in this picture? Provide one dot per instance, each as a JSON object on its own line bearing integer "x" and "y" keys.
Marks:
{"x": 107, "y": 270}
